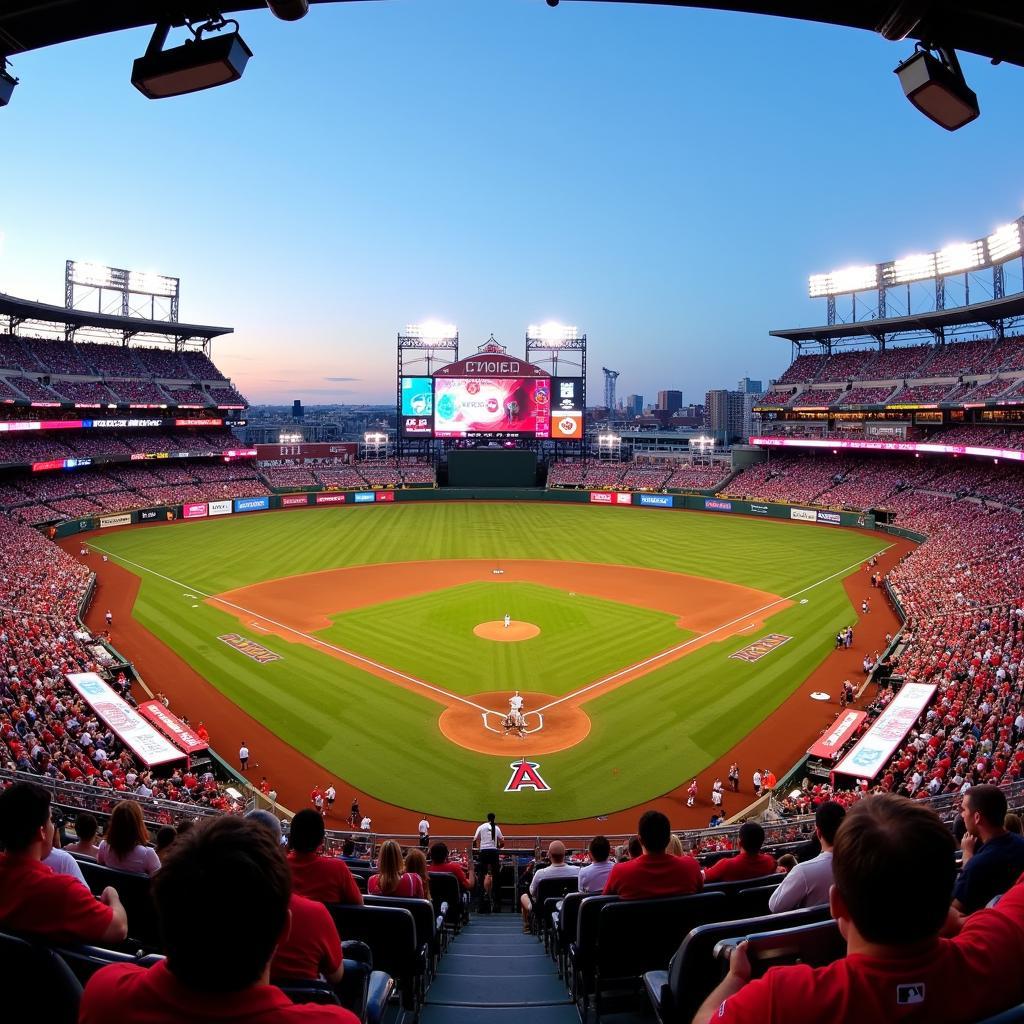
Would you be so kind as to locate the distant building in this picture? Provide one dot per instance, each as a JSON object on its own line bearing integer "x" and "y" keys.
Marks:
{"x": 297, "y": 411}
{"x": 724, "y": 414}
{"x": 670, "y": 401}
{"x": 634, "y": 405}
{"x": 749, "y": 387}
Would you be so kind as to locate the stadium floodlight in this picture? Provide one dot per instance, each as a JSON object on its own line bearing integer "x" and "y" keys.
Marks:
{"x": 917, "y": 267}
{"x": 607, "y": 440}
{"x": 195, "y": 65}
{"x": 936, "y": 86}
{"x": 91, "y": 275}
{"x": 841, "y": 282}
{"x": 375, "y": 438}
{"x": 150, "y": 283}
{"x": 7, "y": 83}
{"x": 1004, "y": 242}
{"x": 551, "y": 333}
{"x": 289, "y": 437}
{"x": 432, "y": 330}
{"x": 955, "y": 259}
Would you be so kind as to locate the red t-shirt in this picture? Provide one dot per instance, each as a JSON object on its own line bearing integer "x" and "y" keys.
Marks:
{"x": 740, "y": 867}
{"x": 409, "y": 886}
{"x": 451, "y": 869}
{"x": 654, "y": 874}
{"x": 325, "y": 879}
{"x": 956, "y": 980}
{"x": 35, "y": 899}
{"x": 154, "y": 996}
{"x": 312, "y": 947}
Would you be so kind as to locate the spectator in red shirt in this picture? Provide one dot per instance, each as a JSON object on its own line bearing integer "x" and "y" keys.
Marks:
{"x": 750, "y": 862}
{"x": 655, "y": 873}
{"x": 325, "y": 879}
{"x": 392, "y": 879}
{"x": 33, "y": 898}
{"x": 222, "y": 899}
{"x": 894, "y": 870}
{"x": 439, "y": 862}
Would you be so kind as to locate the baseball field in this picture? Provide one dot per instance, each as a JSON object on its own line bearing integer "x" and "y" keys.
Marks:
{"x": 372, "y": 639}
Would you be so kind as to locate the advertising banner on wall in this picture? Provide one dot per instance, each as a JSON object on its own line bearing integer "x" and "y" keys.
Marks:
{"x": 829, "y": 518}
{"x": 385, "y": 495}
{"x": 195, "y": 510}
{"x": 717, "y": 505}
{"x": 119, "y": 520}
{"x": 331, "y": 498}
{"x": 290, "y": 500}
{"x": 172, "y": 727}
{"x": 842, "y": 729}
{"x": 130, "y": 727}
{"x": 804, "y": 515}
{"x": 873, "y": 750}
{"x": 759, "y": 510}
{"x": 220, "y": 508}
{"x": 656, "y": 500}
{"x": 251, "y": 504}
{"x": 363, "y": 497}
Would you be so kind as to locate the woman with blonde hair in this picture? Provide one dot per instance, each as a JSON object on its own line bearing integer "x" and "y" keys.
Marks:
{"x": 675, "y": 846}
{"x": 416, "y": 864}
{"x": 126, "y": 844}
{"x": 392, "y": 879}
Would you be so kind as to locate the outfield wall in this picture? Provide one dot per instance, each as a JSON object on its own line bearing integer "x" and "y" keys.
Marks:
{"x": 621, "y": 499}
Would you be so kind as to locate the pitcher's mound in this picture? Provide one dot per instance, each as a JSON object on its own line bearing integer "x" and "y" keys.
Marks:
{"x": 497, "y": 631}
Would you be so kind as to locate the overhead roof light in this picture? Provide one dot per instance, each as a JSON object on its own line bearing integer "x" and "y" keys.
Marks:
{"x": 956, "y": 258}
{"x": 7, "y": 83}
{"x": 840, "y": 282}
{"x": 913, "y": 268}
{"x": 1004, "y": 242}
{"x": 195, "y": 65}
{"x": 936, "y": 86}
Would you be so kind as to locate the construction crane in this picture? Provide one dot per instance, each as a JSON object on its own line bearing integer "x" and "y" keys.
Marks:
{"x": 610, "y": 377}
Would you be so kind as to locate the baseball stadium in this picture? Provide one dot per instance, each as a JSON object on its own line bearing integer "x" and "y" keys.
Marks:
{"x": 503, "y": 705}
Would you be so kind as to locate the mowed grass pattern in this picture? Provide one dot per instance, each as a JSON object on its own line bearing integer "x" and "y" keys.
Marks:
{"x": 431, "y": 637}
{"x": 646, "y": 737}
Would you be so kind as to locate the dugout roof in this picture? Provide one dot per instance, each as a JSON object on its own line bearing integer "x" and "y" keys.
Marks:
{"x": 991, "y": 28}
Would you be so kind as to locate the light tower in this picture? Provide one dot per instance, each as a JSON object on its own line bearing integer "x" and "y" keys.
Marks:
{"x": 610, "y": 377}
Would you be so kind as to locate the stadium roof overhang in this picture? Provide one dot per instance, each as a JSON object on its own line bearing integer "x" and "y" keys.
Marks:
{"x": 991, "y": 28}
{"x": 19, "y": 311}
{"x": 992, "y": 313}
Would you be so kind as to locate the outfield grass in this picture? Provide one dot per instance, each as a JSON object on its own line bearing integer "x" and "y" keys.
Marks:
{"x": 646, "y": 737}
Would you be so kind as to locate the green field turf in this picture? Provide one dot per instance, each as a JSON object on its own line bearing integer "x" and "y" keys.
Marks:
{"x": 646, "y": 737}
{"x": 431, "y": 637}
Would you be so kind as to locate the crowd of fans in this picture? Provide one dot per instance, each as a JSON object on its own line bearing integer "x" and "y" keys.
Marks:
{"x": 639, "y": 474}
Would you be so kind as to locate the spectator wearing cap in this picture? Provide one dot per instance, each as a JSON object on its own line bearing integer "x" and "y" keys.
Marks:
{"x": 808, "y": 884}
{"x": 750, "y": 862}
{"x": 992, "y": 857}
{"x": 326, "y": 879}
{"x": 223, "y": 903}
{"x": 655, "y": 872}
{"x": 894, "y": 869}
{"x": 35, "y": 899}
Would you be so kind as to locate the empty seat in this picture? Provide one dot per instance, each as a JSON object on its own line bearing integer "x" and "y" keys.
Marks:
{"x": 134, "y": 890}
{"x": 31, "y": 967}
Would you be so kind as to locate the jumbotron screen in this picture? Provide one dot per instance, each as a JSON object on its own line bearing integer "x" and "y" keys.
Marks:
{"x": 492, "y": 407}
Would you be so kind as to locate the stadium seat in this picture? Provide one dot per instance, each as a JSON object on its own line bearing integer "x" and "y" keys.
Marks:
{"x": 563, "y": 923}
{"x": 30, "y": 967}
{"x": 446, "y": 892}
{"x": 547, "y": 889}
{"x": 636, "y": 936}
{"x": 85, "y": 961}
{"x": 1015, "y": 1015}
{"x": 676, "y": 993}
{"x": 816, "y": 944}
{"x": 321, "y": 992}
{"x": 429, "y": 926}
{"x": 752, "y": 902}
{"x": 363, "y": 990}
{"x": 134, "y": 890}
{"x": 581, "y": 950}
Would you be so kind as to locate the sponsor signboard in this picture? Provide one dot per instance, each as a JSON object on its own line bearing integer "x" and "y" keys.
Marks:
{"x": 385, "y": 495}
{"x": 759, "y": 648}
{"x": 717, "y": 505}
{"x": 131, "y": 728}
{"x": 194, "y": 510}
{"x": 804, "y": 515}
{"x": 289, "y": 500}
{"x": 601, "y": 497}
{"x": 172, "y": 727}
{"x": 842, "y": 729}
{"x": 251, "y": 504}
{"x": 831, "y": 518}
{"x": 124, "y": 519}
{"x": 149, "y": 515}
{"x": 759, "y": 510}
{"x": 249, "y": 648}
{"x": 872, "y": 751}
{"x": 623, "y": 498}
{"x": 331, "y": 498}
{"x": 364, "y": 497}
{"x": 656, "y": 500}
{"x": 220, "y": 508}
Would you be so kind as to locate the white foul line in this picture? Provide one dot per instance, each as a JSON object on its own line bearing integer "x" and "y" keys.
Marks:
{"x": 306, "y": 636}
{"x": 662, "y": 655}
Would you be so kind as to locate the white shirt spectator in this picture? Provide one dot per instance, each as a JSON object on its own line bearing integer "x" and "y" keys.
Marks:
{"x": 594, "y": 876}
{"x": 487, "y": 841}
{"x": 807, "y": 885}
{"x": 365, "y": 824}
{"x": 553, "y": 871}
{"x": 142, "y": 860}
{"x": 424, "y": 827}
{"x": 62, "y": 863}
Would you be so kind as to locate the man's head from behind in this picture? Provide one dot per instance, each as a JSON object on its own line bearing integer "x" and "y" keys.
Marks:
{"x": 556, "y": 852}
{"x": 827, "y": 819}
{"x": 654, "y": 830}
{"x": 438, "y": 853}
{"x": 984, "y": 810}
{"x": 600, "y": 849}
{"x": 222, "y": 899}
{"x": 894, "y": 871}
{"x": 25, "y": 819}
{"x": 751, "y": 837}
{"x": 306, "y": 834}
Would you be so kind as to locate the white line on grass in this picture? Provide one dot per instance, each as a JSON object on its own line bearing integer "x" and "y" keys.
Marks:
{"x": 661, "y": 656}
{"x": 306, "y": 636}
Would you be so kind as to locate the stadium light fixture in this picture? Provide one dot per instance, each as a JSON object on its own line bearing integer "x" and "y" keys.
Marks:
{"x": 374, "y": 438}
{"x": 840, "y": 282}
{"x": 91, "y": 275}
{"x": 551, "y": 332}
{"x": 1004, "y": 242}
{"x": 150, "y": 283}
{"x": 7, "y": 83}
{"x": 955, "y": 259}
{"x": 195, "y": 65}
{"x": 936, "y": 86}
{"x": 917, "y": 267}
{"x": 289, "y": 437}
{"x": 432, "y": 330}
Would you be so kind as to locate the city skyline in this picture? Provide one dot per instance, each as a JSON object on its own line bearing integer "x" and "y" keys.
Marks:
{"x": 598, "y": 165}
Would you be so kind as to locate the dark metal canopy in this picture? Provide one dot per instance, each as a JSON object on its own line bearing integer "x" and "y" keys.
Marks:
{"x": 991, "y": 28}
{"x": 992, "y": 312}
{"x": 21, "y": 310}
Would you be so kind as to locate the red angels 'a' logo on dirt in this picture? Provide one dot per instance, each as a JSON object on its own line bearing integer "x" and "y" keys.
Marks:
{"x": 526, "y": 775}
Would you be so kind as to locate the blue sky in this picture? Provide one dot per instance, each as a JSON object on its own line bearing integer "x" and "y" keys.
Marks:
{"x": 664, "y": 178}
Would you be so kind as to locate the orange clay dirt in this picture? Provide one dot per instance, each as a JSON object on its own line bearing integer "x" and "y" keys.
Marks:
{"x": 506, "y": 634}
{"x": 701, "y": 605}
